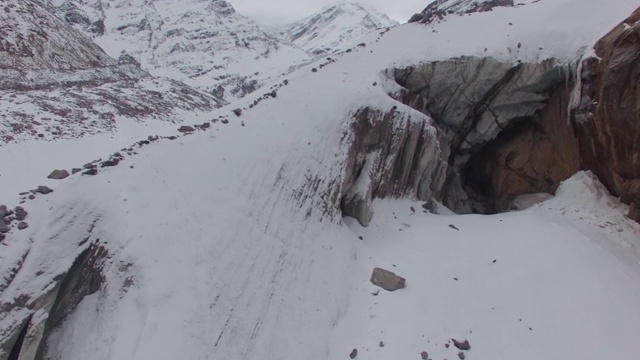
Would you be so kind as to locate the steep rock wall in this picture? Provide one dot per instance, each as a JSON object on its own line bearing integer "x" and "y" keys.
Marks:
{"x": 606, "y": 109}
{"x": 472, "y": 100}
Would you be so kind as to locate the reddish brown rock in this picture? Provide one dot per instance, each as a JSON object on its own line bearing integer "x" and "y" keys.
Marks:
{"x": 608, "y": 111}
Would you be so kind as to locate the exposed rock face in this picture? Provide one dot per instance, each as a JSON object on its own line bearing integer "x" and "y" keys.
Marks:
{"x": 41, "y": 314}
{"x": 607, "y": 111}
{"x": 391, "y": 154}
{"x": 528, "y": 157}
{"x": 473, "y": 100}
{"x": 438, "y": 9}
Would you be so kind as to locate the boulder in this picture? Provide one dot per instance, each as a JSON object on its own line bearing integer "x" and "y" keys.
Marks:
{"x": 237, "y": 111}
{"x": 58, "y": 174}
{"x": 21, "y": 213}
{"x": 185, "y": 129}
{"x": 110, "y": 162}
{"x": 387, "y": 279}
{"x": 462, "y": 345}
{"x": 44, "y": 190}
{"x": 22, "y": 225}
{"x": 424, "y": 355}
{"x": 4, "y": 228}
{"x": 91, "y": 172}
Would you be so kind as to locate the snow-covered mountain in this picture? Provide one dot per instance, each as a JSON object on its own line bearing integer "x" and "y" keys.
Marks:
{"x": 245, "y": 237}
{"x": 203, "y": 43}
{"x": 335, "y": 27}
{"x": 56, "y": 83}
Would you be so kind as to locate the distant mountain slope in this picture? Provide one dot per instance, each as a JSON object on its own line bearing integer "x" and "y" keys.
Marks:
{"x": 203, "y": 43}
{"x": 440, "y": 8}
{"x": 55, "y": 82}
{"x": 335, "y": 27}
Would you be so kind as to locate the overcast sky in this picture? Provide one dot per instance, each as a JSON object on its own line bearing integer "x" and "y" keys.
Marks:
{"x": 275, "y": 12}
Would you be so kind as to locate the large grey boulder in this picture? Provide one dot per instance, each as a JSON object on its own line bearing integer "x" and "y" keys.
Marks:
{"x": 387, "y": 279}
{"x": 58, "y": 174}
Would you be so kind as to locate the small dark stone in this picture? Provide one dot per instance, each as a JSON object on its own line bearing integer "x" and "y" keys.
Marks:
{"x": 424, "y": 355}
{"x": 453, "y": 227}
{"x": 75, "y": 170}
{"x": 376, "y": 293}
{"x": 205, "y": 125}
{"x": 172, "y": 138}
{"x": 21, "y": 213}
{"x": 224, "y": 121}
{"x": 273, "y": 94}
{"x": 461, "y": 355}
{"x": 362, "y": 45}
{"x": 360, "y": 237}
{"x": 494, "y": 261}
{"x": 91, "y": 172}
{"x": 381, "y": 344}
{"x": 22, "y": 225}
{"x": 462, "y": 345}
{"x": 44, "y": 190}
{"x": 186, "y": 129}
{"x": 152, "y": 138}
{"x": 349, "y": 50}
{"x": 89, "y": 166}
{"x": 375, "y": 84}
{"x": 314, "y": 70}
{"x": 112, "y": 162}
{"x": 353, "y": 354}
{"x": 446, "y": 345}
{"x": 237, "y": 111}
{"x": 143, "y": 142}
{"x": 31, "y": 197}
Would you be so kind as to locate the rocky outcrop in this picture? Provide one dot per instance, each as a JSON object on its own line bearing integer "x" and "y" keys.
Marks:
{"x": 473, "y": 100}
{"x": 530, "y": 157}
{"x": 606, "y": 110}
{"x": 390, "y": 154}
{"x": 438, "y": 9}
{"x": 36, "y": 315}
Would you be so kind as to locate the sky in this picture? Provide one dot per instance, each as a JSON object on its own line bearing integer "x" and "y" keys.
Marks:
{"x": 276, "y": 12}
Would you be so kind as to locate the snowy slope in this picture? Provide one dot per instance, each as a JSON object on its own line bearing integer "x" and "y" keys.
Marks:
{"x": 202, "y": 43}
{"x": 221, "y": 244}
{"x": 335, "y": 27}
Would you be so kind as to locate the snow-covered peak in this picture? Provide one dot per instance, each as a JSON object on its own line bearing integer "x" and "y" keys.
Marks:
{"x": 203, "y": 43}
{"x": 334, "y": 27}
